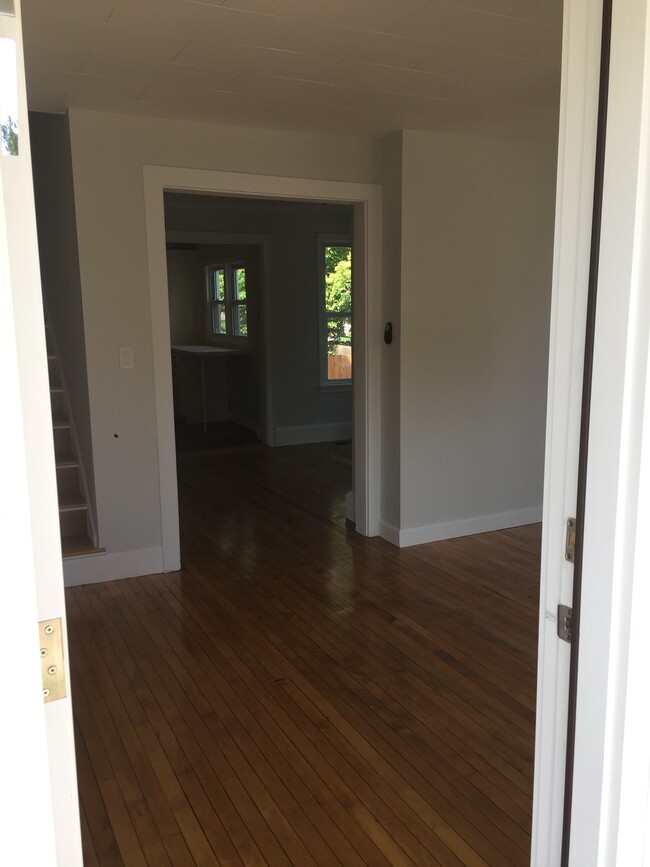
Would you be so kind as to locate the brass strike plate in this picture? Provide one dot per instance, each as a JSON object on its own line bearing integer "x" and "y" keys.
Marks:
{"x": 570, "y": 546}
{"x": 50, "y": 636}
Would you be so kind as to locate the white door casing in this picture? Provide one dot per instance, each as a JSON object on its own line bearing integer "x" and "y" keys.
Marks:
{"x": 573, "y": 216}
{"x": 33, "y": 556}
{"x": 366, "y": 201}
{"x": 612, "y": 745}
{"x": 610, "y": 802}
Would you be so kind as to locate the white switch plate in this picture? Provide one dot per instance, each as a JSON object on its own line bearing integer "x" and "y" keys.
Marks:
{"x": 126, "y": 357}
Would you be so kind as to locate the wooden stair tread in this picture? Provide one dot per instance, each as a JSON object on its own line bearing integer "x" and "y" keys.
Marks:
{"x": 73, "y": 508}
{"x": 66, "y": 460}
{"x": 71, "y": 500}
{"x": 78, "y": 546}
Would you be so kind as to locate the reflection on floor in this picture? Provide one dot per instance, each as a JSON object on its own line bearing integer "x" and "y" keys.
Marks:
{"x": 300, "y": 695}
{"x": 191, "y": 438}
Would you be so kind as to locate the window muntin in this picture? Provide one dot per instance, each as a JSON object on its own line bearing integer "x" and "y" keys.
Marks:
{"x": 227, "y": 300}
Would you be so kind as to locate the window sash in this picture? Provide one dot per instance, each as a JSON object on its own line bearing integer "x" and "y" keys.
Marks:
{"x": 227, "y": 312}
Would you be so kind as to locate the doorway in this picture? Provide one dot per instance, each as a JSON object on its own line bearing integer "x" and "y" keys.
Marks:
{"x": 365, "y": 200}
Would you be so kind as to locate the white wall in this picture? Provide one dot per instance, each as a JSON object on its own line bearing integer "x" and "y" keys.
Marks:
{"x": 292, "y": 308}
{"x": 108, "y": 153}
{"x": 477, "y": 235}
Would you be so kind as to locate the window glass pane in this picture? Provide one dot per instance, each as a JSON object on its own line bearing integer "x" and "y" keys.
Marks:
{"x": 339, "y": 347}
{"x": 218, "y": 285}
{"x": 240, "y": 284}
{"x": 338, "y": 279}
{"x": 219, "y": 318}
{"x": 241, "y": 320}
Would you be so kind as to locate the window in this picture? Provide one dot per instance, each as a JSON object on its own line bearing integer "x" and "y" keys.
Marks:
{"x": 227, "y": 302}
{"x": 335, "y": 279}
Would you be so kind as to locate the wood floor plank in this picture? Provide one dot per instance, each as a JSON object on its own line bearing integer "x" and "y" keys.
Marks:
{"x": 301, "y": 696}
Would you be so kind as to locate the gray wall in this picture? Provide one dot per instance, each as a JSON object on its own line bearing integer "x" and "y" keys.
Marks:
{"x": 186, "y": 297}
{"x": 467, "y": 272}
{"x": 108, "y": 154}
{"x": 60, "y": 277}
{"x": 477, "y": 235}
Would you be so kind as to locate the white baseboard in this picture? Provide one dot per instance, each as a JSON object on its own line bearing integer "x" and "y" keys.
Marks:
{"x": 389, "y": 532}
{"x": 94, "y": 568}
{"x": 469, "y": 526}
{"x": 312, "y": 433}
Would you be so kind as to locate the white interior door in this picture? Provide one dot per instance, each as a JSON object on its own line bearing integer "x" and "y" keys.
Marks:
{"x": 39, "y": 774}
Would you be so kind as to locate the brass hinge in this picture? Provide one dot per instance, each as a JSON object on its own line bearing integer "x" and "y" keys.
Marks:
{"x": 570, "y": 544}
{"x": 565, "y": 622}
{"x": 50, "y": 636}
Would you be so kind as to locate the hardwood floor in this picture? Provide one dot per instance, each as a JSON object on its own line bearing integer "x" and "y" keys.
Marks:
{"x": 300, "y": 695}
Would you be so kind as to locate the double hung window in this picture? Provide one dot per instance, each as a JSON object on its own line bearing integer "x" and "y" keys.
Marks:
{"x": 227, "y": 302}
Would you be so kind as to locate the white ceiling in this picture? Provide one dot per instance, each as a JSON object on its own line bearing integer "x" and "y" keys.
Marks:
{"x": 365, "y": 67}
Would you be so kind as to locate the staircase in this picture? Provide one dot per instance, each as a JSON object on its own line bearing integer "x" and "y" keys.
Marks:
{"x": 73, "y": 508}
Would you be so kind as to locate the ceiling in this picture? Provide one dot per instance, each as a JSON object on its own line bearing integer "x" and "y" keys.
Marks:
{"x": 365, "y": 67}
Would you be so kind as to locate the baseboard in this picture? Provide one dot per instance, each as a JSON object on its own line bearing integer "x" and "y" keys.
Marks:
{"x": 389, "y": 532}
{"x": 242, "y": 421}
{"x": 312, "y": 433}
{"x": 465, "y": 527}
{"x": 94, "y": 568}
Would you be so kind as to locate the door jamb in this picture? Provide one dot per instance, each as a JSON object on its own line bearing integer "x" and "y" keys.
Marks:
{"x": 366, "y": 201}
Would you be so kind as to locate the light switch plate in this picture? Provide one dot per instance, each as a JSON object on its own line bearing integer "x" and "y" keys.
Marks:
{"x": 126, "y": 357}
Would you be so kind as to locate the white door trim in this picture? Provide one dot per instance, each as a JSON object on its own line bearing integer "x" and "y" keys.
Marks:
{"x": 23, "y": 746}
{"x": 39, "y": 807}
{"x": 612, "y": 744}
{"x": 366, "y": 199}
{"x": 574, "y": 206}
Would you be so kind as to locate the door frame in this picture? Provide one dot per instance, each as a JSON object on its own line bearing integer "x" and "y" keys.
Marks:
{"x": 38, "y": 793}
{"x": 610, "y": 802}
{"x": 610, "y": 799}
{"x": 571, "y": 257}
{"x": 366, "y": 202}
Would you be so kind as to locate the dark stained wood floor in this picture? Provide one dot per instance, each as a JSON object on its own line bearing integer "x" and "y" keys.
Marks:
{"x": 299, "y": 695}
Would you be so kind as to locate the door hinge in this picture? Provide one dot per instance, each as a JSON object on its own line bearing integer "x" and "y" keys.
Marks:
{"x": 50, "y": 634}
{"x": 570, "y": 544}
{"x": 564, "y": 622}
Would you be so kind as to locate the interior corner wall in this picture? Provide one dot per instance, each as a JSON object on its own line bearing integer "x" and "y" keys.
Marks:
{"x": 186, "y": 304}
{"x": 60, "y": 276}
{"x": 108, "y": 155}
{"x": 477, "y": 241}
{"x": 391, "y": 165}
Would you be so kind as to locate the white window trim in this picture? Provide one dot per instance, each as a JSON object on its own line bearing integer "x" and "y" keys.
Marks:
{"x": 322, "y": 241}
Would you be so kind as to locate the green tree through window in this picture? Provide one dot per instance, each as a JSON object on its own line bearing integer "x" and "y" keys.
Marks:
{"x": 338, "y": 310}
